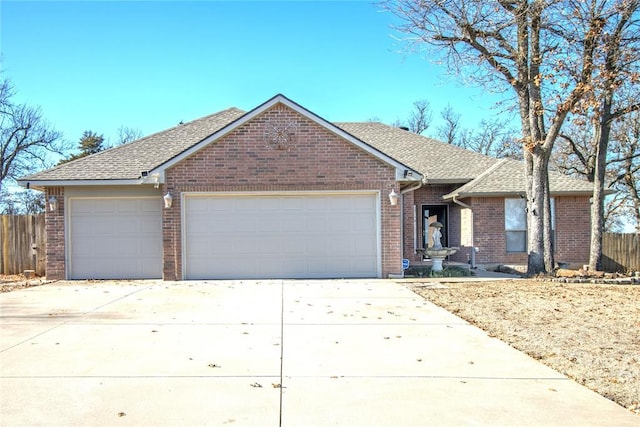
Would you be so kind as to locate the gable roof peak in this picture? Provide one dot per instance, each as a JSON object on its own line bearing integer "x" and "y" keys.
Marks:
{"x": 281, "y": 99}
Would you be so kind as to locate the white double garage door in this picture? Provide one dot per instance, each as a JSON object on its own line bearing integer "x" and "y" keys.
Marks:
{"x": 230, "y": 236}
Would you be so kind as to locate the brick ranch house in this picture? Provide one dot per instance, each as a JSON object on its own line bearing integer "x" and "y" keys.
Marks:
{"x": 279, "y": 192}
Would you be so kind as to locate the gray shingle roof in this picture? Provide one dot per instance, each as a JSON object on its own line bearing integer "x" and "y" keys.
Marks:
{"x": 507, "y": 176}
{"x": 129, "y": 160}
{"x": 437, "y": 161}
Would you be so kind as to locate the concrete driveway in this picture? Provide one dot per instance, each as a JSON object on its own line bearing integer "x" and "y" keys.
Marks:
{"x": 268, "y": 353}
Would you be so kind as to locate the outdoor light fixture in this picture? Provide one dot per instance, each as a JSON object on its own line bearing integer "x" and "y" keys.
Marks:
{"x": 168, "y": 200}
{"x": 53, "y": 203}
{"x": 393, "y": 197}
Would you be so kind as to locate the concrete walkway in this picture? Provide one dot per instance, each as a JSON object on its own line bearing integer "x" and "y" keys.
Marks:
{"x": 268, "y": 353}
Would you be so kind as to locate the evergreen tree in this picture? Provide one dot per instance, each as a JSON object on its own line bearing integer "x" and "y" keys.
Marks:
{"x": 90, "y": 143}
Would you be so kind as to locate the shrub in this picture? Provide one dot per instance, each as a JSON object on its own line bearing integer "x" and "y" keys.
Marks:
{"x": 425, "y": 271}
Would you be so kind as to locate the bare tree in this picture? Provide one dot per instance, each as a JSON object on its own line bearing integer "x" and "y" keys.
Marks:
{"x": 19, "y": 202}
{"x": 612, "y": 94}
{"x": 575, "y": 155}
{"x": 450, "y": 129}
{"x": 624, "y": 170}
{"x": 618, "y": 59}
{"x": 421, "y": 116}
{"x": 26, "y": 139}
{"x": 492, "y": 138}
{"x": 127, "y": 134}
{"x": 542, "y": 52}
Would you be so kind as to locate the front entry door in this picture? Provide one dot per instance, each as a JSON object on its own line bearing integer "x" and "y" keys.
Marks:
{"x": 431, "y": 214}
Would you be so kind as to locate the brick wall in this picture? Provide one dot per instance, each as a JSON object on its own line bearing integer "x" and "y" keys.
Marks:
{"x": 55, "y": 229}
{"x": 572, "y": 231}
{"x": 487, "y": 219}
{"x": 489, "y": 233}
{"x": 244, "y": 161}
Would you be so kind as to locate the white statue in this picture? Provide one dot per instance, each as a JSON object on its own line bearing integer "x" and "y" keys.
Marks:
{"x": 437, "y": 235}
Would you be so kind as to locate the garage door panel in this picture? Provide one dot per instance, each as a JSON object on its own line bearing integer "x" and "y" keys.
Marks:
{"x": 202, "y": 223}
{"x": 151, "y": 226}
{"x": 83, "y": 225}
{"x": 318, "y": 224}
{"x": 132, "y": 226}
{"x": 151, "y": 252}
{"x": 102, "y": 206}
{"x": 106, "y": 225}
{"x": 129, "y": 247}
{"x": 150, "y": 206}
{"x": 363, "y": 245}
{"x": 115, "y": 238}
{"x": 199, "y": 205}
{"x": 129, "y": 206}
{"x": 280, "y": 236}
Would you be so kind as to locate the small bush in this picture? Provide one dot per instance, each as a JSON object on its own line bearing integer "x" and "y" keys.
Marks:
{"x": 425, "y": 271}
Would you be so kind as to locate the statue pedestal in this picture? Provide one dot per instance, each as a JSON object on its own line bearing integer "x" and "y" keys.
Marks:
{"x": 438, "y": 255}
{"x": 437, "y": 263}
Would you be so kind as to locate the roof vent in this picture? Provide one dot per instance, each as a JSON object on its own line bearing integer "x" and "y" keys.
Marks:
{"x": 404, "y": 128}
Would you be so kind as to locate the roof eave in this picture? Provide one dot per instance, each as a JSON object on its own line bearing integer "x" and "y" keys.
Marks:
{"x": 466, "y": 195}
{"x": 41, "y": 184}
{"x": 444, "y": 181}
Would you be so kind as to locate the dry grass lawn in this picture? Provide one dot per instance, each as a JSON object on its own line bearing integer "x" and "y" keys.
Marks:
{"x": 589, "y": 332}
{"x": 14, "y": 282}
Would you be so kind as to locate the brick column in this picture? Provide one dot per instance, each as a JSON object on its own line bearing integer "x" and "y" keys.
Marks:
{"x": 55, "y": 229}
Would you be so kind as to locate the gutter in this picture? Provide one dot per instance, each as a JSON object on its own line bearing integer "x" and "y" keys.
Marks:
{"x": 412, "y": 188}
{"x": 473, "y": 226}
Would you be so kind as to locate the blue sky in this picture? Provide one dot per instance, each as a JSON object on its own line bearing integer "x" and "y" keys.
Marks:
{"x": 148, "y": 65}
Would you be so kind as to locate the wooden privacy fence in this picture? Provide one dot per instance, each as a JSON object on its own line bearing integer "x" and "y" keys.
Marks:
{"x": 620, "y": 252}
{"x": 22, "y": 244}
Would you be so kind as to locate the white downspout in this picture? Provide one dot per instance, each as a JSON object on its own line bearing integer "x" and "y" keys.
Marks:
{"x": 473, "y": 247}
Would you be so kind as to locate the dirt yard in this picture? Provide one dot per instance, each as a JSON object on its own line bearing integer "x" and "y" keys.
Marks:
{"x": 14, "y": 282}
{"x": 589, "y": 332}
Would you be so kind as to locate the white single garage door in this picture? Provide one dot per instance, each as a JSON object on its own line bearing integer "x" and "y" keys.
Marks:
{"x": 281, "y": 236}
{"x": 115, "y": 238}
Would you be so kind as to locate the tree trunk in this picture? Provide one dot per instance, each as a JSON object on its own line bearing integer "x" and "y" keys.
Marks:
{"x": 535, "y": 213}
{"x": 601, "y": 136}
{"x": 549, "y": 242}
